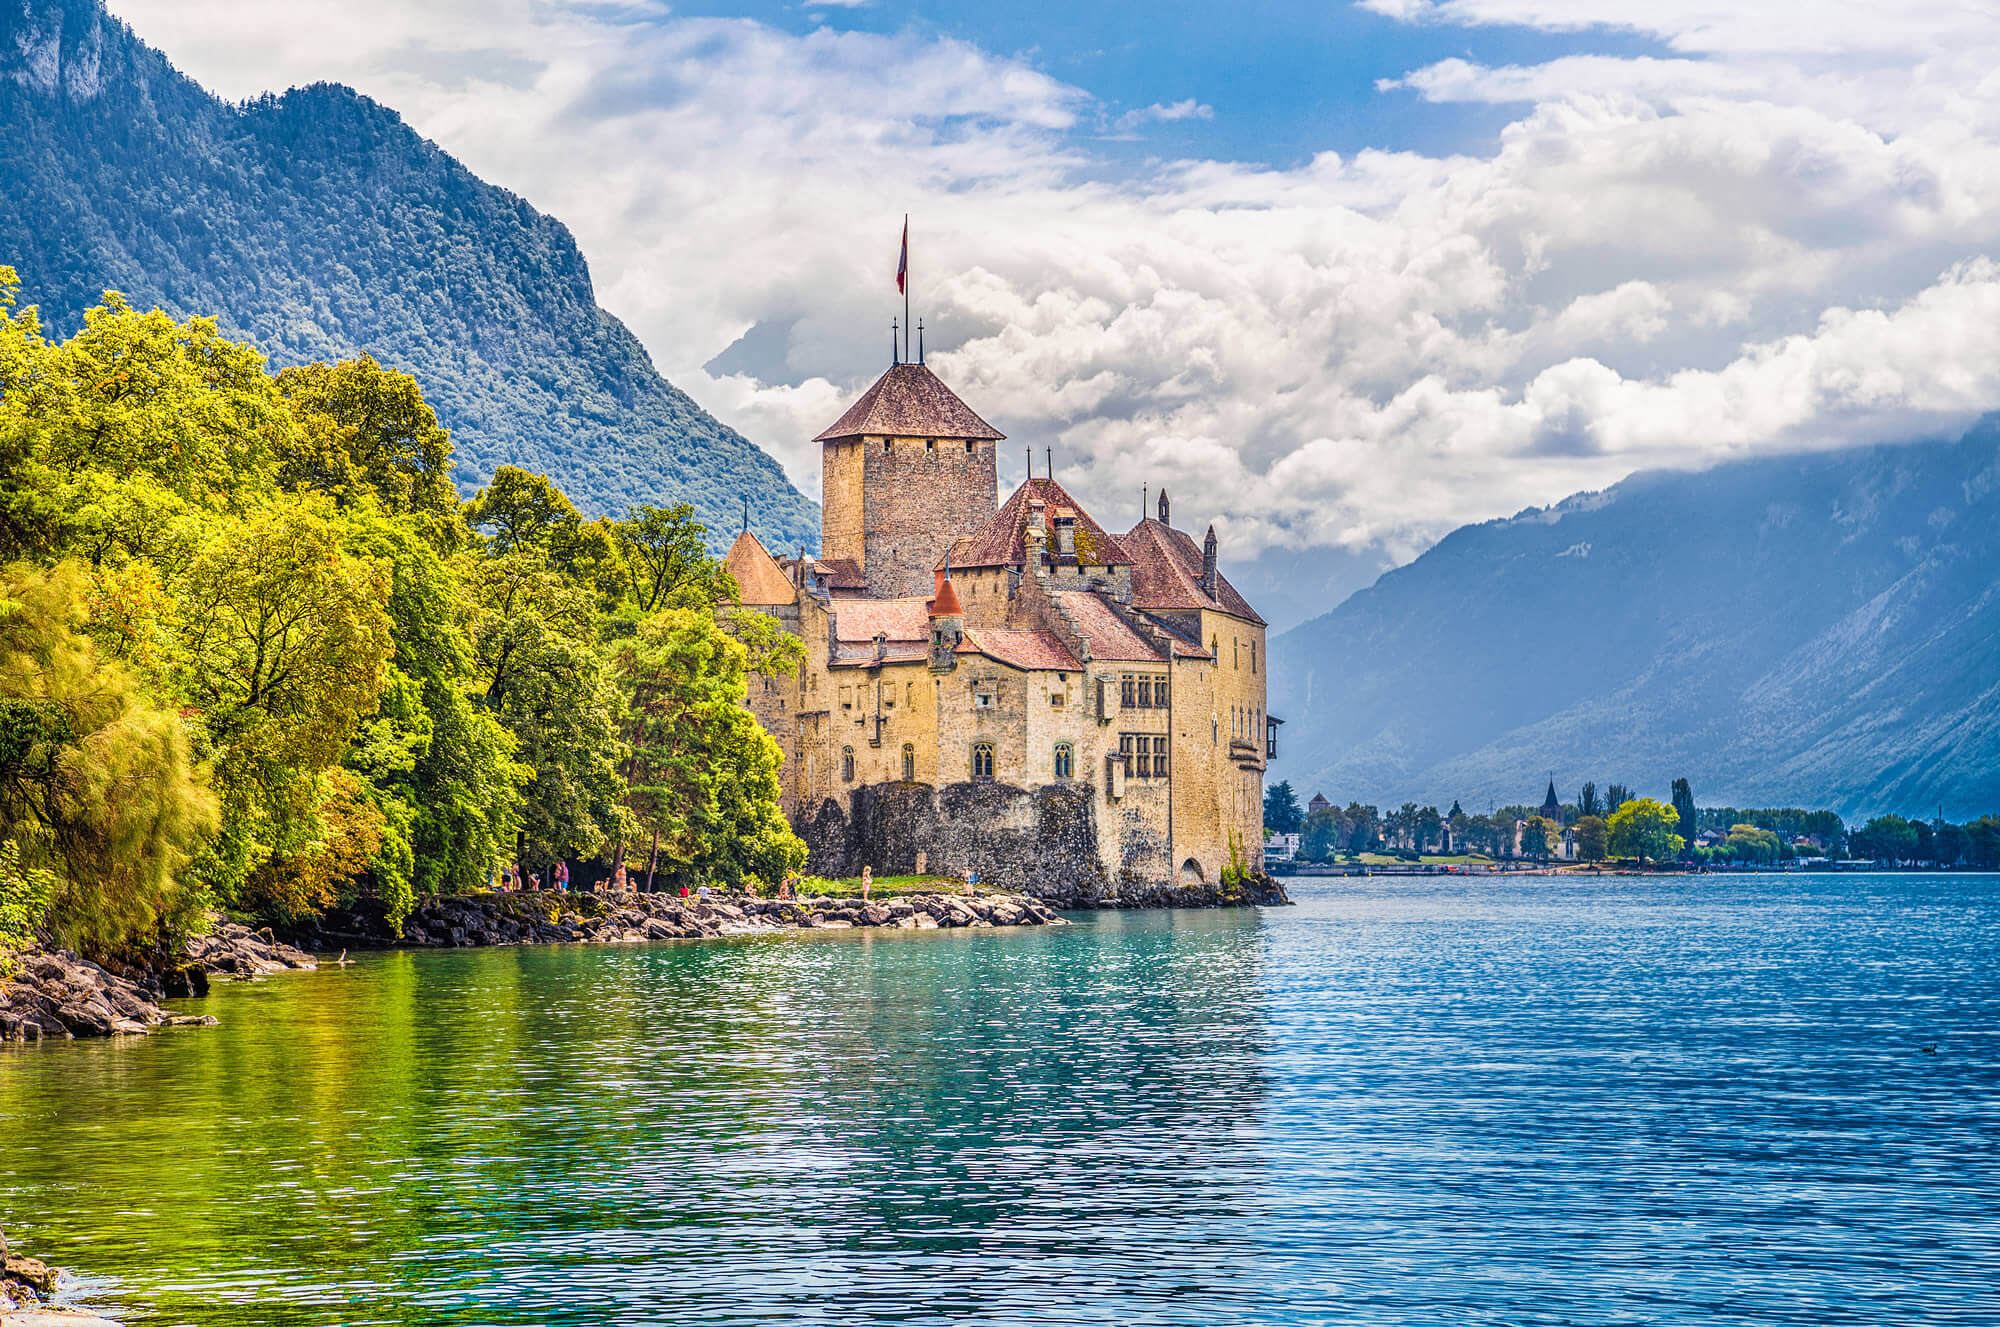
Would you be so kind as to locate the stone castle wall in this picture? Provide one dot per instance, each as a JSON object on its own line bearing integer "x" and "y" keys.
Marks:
{"x": 917, "y": 495}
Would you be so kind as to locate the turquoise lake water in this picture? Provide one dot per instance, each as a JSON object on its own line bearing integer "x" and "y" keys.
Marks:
{"x": 1458, "y": 1101}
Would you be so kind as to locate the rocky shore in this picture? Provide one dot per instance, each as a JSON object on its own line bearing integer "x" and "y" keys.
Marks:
{"x": 59, "y": 995}
{"x": 27, "y": 1294}
{"x": 549, "y": 918}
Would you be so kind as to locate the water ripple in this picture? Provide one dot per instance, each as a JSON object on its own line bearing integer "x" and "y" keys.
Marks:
{"x": 1524, "y": 1102}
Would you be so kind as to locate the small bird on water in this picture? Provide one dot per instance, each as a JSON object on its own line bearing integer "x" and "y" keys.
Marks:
{"x": 1930, "y": 1048}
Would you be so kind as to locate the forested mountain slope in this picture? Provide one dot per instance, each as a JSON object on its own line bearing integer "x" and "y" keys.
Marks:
{"x": 317, "y": 224}
{"x": 1818, "y": 630}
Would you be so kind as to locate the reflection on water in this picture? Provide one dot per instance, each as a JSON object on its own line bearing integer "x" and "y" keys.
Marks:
{"x": 1513, "y": 1101}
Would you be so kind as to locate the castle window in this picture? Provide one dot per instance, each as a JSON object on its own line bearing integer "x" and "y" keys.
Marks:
{"x": 847, "y": 763}
{"x": 1253, "y": 656}
{"x": 982, "y": 700}
{"x": 982, "y": 760}
{"x": 1065, "y": 760}
{"x": 1160, "y": 692}
{"x": 1159, "y": 757}
{"x": 930, "y": 446}
{"x": 1142, "y": 748}
{"x": 909, "y": 763}
{"x": 1145, "y": 693}
{"x": 1127, "y": 686}
{"x": 885, "y": 446}
{"x": 1125, "y": 741}
{"x": 968, "y": 449}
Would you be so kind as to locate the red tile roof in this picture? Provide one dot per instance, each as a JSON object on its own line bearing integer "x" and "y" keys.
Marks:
{"x": 1109, "y": 636}
{"x": 897, "y": 619}
{"x": 909, "y": 402}
{"x": 759, "y": 580}
{"x": 1003, "y": 540}
{"x": 1021, "y": 649}
{"x": 1166, "y": 573}
{"x": 944, "y": 601}
{"x": 842, "y": 574}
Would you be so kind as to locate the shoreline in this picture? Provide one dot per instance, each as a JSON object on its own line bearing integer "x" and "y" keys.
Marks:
{"x": 59, "y": 995}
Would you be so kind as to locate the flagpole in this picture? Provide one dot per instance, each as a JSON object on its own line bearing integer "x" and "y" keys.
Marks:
{"x": 906, "y": 285}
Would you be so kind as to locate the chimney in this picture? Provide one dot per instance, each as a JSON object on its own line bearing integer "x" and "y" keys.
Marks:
{"x": 1208, "y": 564}
{"x": 881, "y": 646}
{"x": 1038, "y": 514}
{"x": 1036, "y": 546}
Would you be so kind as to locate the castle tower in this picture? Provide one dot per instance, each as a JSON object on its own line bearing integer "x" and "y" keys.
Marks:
{"x": 904, "y": 471}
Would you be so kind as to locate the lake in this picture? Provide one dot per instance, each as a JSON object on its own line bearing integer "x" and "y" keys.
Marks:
{"x": 1522, "y": 1100}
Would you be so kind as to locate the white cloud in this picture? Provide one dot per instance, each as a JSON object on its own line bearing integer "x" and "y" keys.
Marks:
{"x": 1780, "y": 236}
{"x": 1190, "y": 109}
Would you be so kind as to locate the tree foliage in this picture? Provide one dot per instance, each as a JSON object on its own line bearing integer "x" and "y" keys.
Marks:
{"x": 254, "y": 652}
{"x": 1647, "y": 829}
{"x": 1281, "y": 809}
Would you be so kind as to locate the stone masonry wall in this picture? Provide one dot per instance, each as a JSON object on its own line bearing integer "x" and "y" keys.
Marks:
{"x": 918, "y": 494}
{"x": 1041, "y": 841}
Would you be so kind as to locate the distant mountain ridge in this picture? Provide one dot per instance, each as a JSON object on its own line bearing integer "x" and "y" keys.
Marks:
{"x": 1817, "y": 630}
{"x": 318, "y": 224}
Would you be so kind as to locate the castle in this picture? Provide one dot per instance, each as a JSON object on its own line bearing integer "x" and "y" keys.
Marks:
{"x": 1004, "y": 688}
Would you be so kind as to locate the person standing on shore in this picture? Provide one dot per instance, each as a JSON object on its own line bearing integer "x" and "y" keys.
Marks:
{"x": 561, "y": 877}
{"x": 867, "y": 881}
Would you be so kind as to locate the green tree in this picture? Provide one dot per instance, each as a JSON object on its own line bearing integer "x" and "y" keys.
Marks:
{"x": 1887, "y": 838}
{"x": 666, "y": 560}
{"x": 703, "y": 775}
{"x": 115, "y": 438}
{"x": 1587, "y": 803}
{"x": 437, "y": 764}
{"x": 1645, "y": 828}
{"x": 1592, "y": 837}
{"x": 1538, "y": 837}
{"x": 1748, "y": 843}
{"x": 25, "y": 892}
{"x": 1281, "y": 809}
{"x": 1615, "y": 796}
{"x": 98, "y": 786}
{"x": 1684, "y": 810}
{"x": 1320, "y": 840}
{"x": 287, "y": 644}
{"x": 367, "y": 431}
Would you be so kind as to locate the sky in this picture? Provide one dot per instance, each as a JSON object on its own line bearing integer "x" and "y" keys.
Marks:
{"x": 1340, "y": 276}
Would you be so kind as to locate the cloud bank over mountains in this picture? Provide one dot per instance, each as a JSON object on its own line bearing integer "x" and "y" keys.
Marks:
{"x": 1779, "y": 234}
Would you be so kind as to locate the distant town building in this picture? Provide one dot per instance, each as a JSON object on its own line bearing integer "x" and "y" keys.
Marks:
{"x": 1552, "y": 807}
{"x": 1281, "y": 848}
{"x": 1318, "y": 803}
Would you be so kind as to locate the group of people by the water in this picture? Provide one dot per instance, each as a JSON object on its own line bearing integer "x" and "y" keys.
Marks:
{"x": 512, "y": 877}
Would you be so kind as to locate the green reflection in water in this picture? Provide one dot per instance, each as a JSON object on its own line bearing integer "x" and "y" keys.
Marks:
{"x": 898, "y": 1126}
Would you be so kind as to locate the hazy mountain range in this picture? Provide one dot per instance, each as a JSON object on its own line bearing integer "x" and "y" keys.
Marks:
{"x": 318, "y": 224}
{"x": 1818, "y": 630}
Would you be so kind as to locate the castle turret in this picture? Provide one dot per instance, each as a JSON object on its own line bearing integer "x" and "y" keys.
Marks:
{"x": 947, "y": 623}
{"x": 908, "y": 467}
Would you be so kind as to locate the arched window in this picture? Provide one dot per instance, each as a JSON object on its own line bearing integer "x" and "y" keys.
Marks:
{"x": 982, "y": 760}
{"x": 847, "y": 763}
{"x": 909, "y": 763}
{"x": 1065, "y": 760}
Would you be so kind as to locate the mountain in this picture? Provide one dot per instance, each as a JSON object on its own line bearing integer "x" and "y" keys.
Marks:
{"x": 318, "y": 225}
{"x": 1819, "y": 630}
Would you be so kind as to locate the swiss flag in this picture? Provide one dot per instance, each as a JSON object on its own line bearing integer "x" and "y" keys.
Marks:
{"x": 903, "y": 259}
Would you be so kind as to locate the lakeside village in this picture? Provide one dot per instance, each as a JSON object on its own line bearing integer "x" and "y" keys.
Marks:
{"x": 269, "y": 688}
{"x": 1611, "y": 828}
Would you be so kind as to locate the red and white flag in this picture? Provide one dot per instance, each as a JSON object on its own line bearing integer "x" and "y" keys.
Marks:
{"x": 903, "y": 259}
